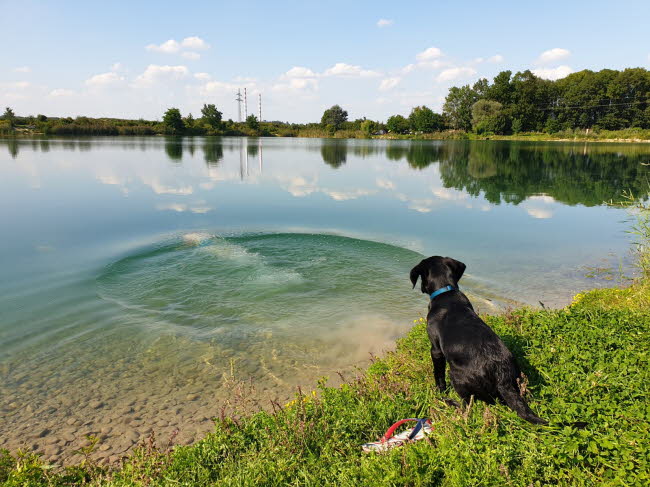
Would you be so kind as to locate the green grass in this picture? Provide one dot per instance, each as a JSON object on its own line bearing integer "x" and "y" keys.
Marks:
{"x": 594, "y": 135}
{"x": 588, "y": 362}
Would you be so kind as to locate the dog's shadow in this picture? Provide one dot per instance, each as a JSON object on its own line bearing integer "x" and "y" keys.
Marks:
{"x": 518, "y": 346}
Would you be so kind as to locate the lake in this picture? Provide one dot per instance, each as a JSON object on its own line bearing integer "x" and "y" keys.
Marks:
{"x": 149, "y": 284}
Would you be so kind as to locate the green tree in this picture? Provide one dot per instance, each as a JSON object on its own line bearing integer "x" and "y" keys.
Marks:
{"x": 252, "y": 122}
{"x": 334, "y": 116}
{"x": 9, "y": 116}
{"x": 189, "y": 121}
{"x": 211, "y": 116}
{"x": 173, "y": 122}
{"x": 531, "y": 98}
{"x": 368, "y": 127}
{"x": 501, "y": 88}
{"x": 485, "y": 116}
{"x": 481, "y": 88}
{"x": 423, "y": 119}
{"x": 458, "y": 107}
{"x": 397, "y": 124}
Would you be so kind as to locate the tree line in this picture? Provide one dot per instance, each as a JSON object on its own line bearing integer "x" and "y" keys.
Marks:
{"x": 523, "y": 102}
{"x": 509, "y": 104}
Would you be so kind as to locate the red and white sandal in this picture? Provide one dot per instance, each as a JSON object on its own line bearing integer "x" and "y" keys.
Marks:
{"x": 388, "y": 441}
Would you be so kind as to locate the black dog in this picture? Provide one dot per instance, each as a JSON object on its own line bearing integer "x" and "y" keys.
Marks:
{"x": 480, "y": 364}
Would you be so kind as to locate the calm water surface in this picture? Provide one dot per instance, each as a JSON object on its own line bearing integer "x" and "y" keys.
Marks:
{"x": 143, "y": 279}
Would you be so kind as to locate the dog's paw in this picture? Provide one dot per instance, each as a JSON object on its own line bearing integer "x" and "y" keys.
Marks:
{"x": 451, "y": 402}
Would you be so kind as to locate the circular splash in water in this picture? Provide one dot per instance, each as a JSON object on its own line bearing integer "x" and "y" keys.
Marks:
{"x": 279, "y": 309}
{"x": 300, "y": 286}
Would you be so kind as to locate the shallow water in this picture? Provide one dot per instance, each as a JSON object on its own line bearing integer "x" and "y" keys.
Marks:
{"x": 147, "y": 280}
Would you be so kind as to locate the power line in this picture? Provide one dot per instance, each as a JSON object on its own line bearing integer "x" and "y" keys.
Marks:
{"x": 560, "y": 107}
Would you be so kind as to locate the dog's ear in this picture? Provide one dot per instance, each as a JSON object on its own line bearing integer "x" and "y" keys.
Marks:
{"x": 415, "y": 273}
{"x": 457, "y": 268}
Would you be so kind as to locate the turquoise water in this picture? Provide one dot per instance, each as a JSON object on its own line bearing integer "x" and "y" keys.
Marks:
{"x": 150, "y": 282}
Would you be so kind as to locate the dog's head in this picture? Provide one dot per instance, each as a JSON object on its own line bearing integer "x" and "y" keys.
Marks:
{"x": 437, "y": 272}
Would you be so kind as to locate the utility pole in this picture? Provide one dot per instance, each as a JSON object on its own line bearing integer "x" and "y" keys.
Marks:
{"x": 259, "y": 107}
{"x": 239, "y": 104}
{"x": 245, "y": 105}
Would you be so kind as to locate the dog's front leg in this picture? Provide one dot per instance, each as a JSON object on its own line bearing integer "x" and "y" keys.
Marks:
{"x": 439, "y": 366}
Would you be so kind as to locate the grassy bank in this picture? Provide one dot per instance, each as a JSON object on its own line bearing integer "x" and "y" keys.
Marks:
{"x": 626, "y": 135}
{"x": 588, "y": 362}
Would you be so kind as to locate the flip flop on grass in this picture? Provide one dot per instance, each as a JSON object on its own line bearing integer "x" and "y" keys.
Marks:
{"x": 388, "y": 441}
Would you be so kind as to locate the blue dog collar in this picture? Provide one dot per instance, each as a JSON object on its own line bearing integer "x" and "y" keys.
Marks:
{"x": 444, "y": 290}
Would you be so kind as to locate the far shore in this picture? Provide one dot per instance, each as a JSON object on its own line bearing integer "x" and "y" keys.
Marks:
{"x": 641, "y": 136}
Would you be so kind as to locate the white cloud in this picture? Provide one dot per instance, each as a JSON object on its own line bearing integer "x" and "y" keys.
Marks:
{"x": 385, "y": 183}
{"x": 191, "y": 55}
{"x": 297, "y": 84}
{"x": 160, "y": 188}
{"x": 104, "y": 79}
{"x": 213, "y": 87}
{"x": 173, "y": 47}
{"x": 553, "y": 55}
{"x": 348, "y": 70}
{"x": 155, "y": 72}
{"x": 202, "y": 76}
{"x": 22, "y": 69}
{"x": 384, "y": 22}
{"x": 389, "y": 83}
{"x": 424, "y": 205}
{"x": 195, "y": 43}
{"x": 534, "y": 206}
{"x": 179, "y": 207}
{"x": 497, "y": 58}
{"x": 299, "y": 187}
{"x": 19, "y": 85}
{"x": 61, "y": 92}
{"x": 408, "y": 68}
{"x": 200, "y": 209}
{"x": 167, "y": 47}
{"x": 303, "y": 83}
{"x": 539, "y": 213}
{"x": 429, "y": 58}
{"x": 544, "y": 198}
{"x": 449, "y": 194}
{"x": 299, "y": 72}
{"x": 553, "y": 73}
{"x": 429, "y": 54}
{"x": 347, "y": 195}
{"x": 456, "y": 73}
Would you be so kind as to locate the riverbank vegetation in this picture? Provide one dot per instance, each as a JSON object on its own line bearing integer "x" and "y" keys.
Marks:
{"x": 587, "y": 105}
{"x": 586, "y": 362}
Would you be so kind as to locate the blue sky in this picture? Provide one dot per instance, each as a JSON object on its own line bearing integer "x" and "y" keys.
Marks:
{"x": 137, "y": 58}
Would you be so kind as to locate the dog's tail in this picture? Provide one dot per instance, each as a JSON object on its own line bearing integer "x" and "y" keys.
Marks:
{"x": 511, "y": 397}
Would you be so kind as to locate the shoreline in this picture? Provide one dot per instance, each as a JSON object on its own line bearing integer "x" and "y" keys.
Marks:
{"x": 399, "y": 383}
{"x": 443, "y": 136}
